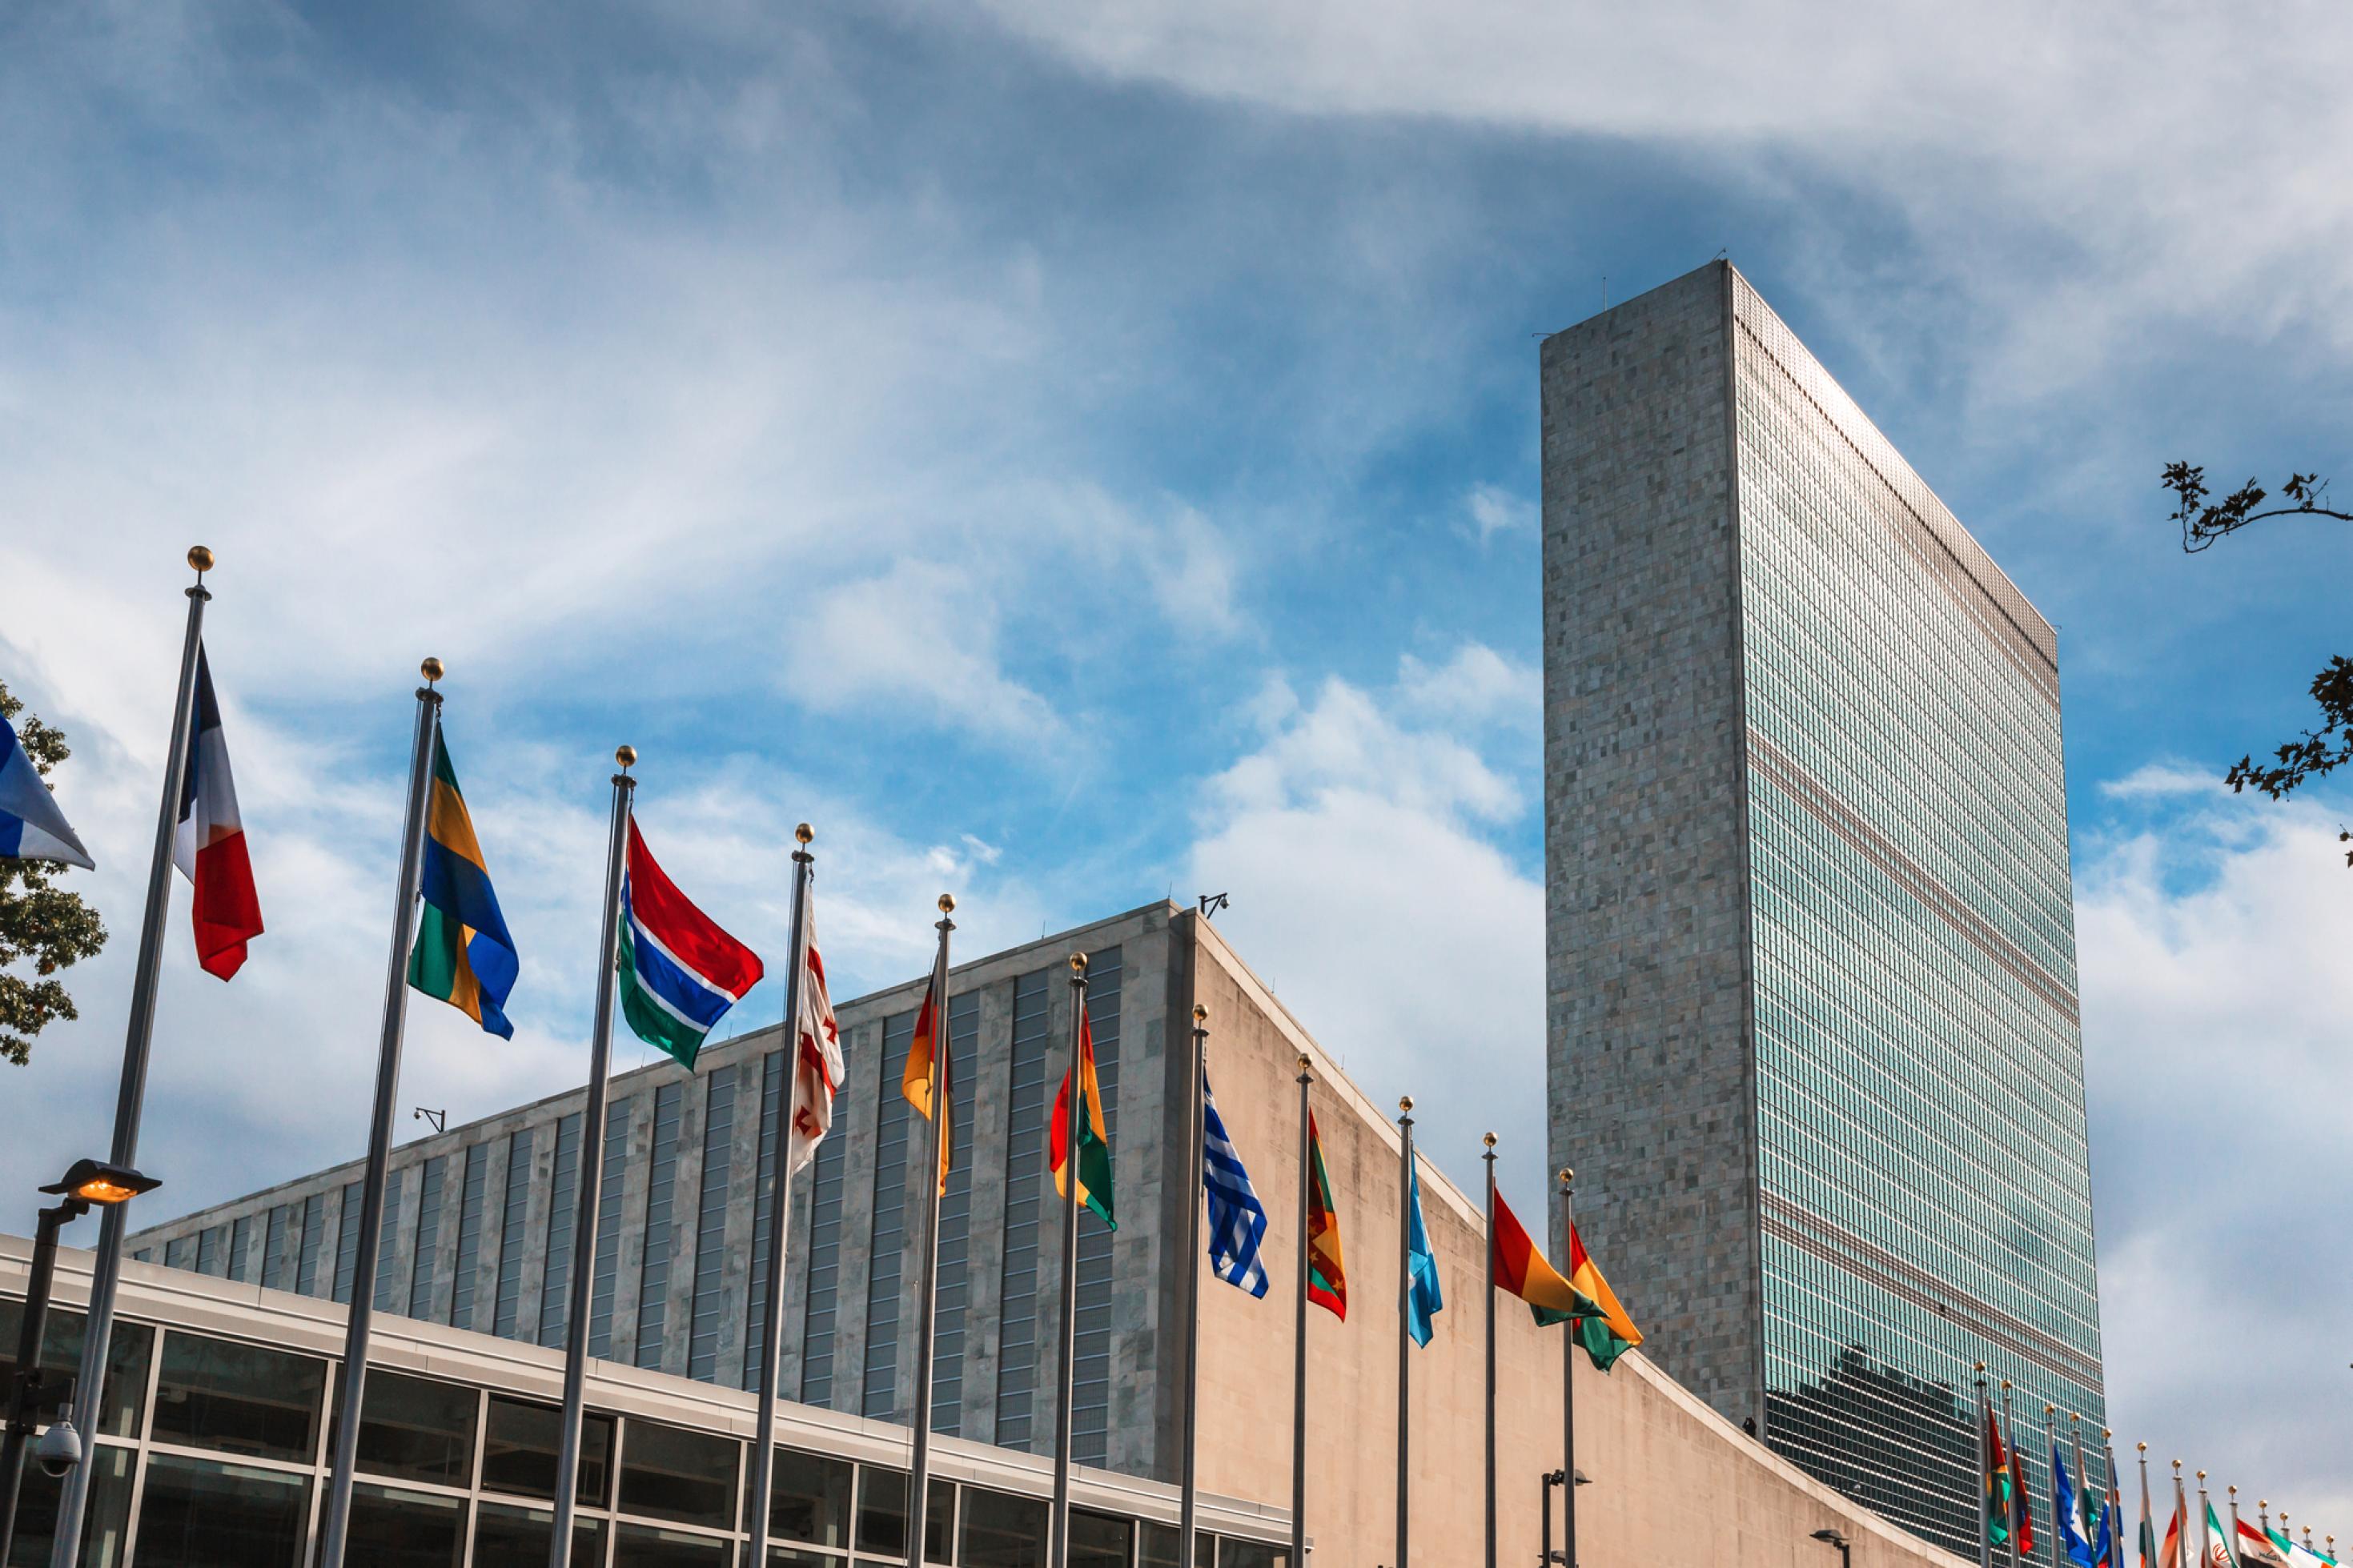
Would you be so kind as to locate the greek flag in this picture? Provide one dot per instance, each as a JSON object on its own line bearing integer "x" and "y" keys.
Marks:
{"x": 1237, "y": 1219}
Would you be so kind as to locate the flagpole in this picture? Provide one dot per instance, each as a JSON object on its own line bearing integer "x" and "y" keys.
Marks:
{"x": 2232, "y": 1548}
{"x": 1298, "y": 1341}
{"x": 1985, "y": 1474}
{"x": 592, "y": 1156}
{"x": 919, "y": 1493}
{"x": 2148, "y": 1526}
{"x": 1569, "y": 1379}
{"x": 106, "y": 1263}
{"x": 2017, "y": 1471}
{"x": 2058, "y": 1527}
{"x": 780, "y": 1208}
{"x": 1490, "y": 1158}
{"x": 2112, "y": 1505}
{"x": 2181, "y": 1512}
{"x": 1405, "y": 1318}
{"x": 2205, "y": 1523}
{"x": 1197, "y": 1199}
{"x": 387, "y": 1091}
{"x": 2075, "y": 1430}
{"x": 1072, "y": 1111}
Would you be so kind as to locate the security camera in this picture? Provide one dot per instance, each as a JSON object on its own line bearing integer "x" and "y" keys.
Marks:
{"x": 60, "y": 1449}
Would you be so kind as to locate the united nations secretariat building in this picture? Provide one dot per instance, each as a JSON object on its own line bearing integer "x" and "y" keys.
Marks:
{"x": 1811, "y": 965}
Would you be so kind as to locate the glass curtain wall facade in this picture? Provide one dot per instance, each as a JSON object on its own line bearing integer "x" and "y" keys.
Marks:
{"x": 1814, "y": 1039}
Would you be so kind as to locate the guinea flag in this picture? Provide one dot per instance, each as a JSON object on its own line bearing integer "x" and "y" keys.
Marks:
{"x": 1524, "y": 1271}
{"x": 1095, "y": 1141}
{"x": 209, "y": 845}
{"x": 680, "y": 973}
{"x": 1327, "y": 1279}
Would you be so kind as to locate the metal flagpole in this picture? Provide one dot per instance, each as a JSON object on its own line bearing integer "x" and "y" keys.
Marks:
{"x": 2232, "y": 1548}
{"x": 919, "y": 1469}
{"x": 2182, "y": 1512}
{"x": 2112, "y": 1504}
{"x": 1187, "y": 1503}
{"x": 1490, "y": 1158}
{"x": 780, "y": 1208}
{"x": 1567, "y": 1383}
{"x": 592, "y": 1158}
{"x": 2082, "y": 1516}
{"x": 1066, "y": 1329}
{"x": 1298, "y": 1341}
{"x": 388, "y": 1092}
{"x": 2205, "y": 1523}
{"x": 2017, "y": 1471}
{"x": 1985, "y": 1475}
{"x": 106, "y": 1264}
{"x": 1405, "y": 1316}
{"x": 2051, "y": 1441}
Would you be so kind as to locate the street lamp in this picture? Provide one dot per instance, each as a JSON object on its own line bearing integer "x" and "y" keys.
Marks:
{"x": 1551, "y": 1480}
{"x": 1833, "y": 1538}
{"x": 91, "y": 1183}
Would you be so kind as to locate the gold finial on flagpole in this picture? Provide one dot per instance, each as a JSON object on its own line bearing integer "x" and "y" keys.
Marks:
{"x": 804, "y": 833}
{"x": 1078, "y": 963}
{"x": 1567, "y": 1175}
{"x": 200, "y": 558}
{"x": 431, "y": 670}
{"x": 2004, "y": 1385}
{"x": 2142, "y": 1446}
{"x": 1488, "y": 1139}
{"x": 626, "y": 757}
{"x": 1405, "y": 1105}
{"x": 947, "y": 903}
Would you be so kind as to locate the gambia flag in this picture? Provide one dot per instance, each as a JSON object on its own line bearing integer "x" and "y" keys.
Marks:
{"x": 680, "y": 973}
{"x": 1327, "y": 1280}
{"x": 463, "y": 954}
{"x": 1095, "y": 1140}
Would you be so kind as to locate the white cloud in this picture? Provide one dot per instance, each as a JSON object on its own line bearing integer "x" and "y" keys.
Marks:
{"x": 1345, "y": 742}
{"x": 2164, "y": 781}
{"x": 1492, "y": 509}
{"x": 1477, "y": 686}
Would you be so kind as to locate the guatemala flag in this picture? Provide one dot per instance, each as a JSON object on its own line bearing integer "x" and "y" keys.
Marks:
{"x": 31, "y": 826}
{"x": 680, "y": 973}
{"x": 1237, "y": 1219}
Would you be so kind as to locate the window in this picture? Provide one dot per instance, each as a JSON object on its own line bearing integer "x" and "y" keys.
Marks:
{"x": 1025, "y": 1179}
{"x": 764, "y": 1217}
{"x": 642, "y": 1546}
{"x": 241, "y": 1242}
{"x": 1002, "y": 1532}
{"x": 808, "y": 1498}
{"x": 277, "y": 1257}
{"x": 662, "y": 1194}
{"x": 387, "y": 1259}
{"x": 515, "y": 1215}
{"x": 208, "y": 1251}
{"x": 609, "y": 1231}
{"x": 414, "y": 1429}
{"x": 306, "y": 1266}
{"x": 470, "y": 1236}
{"x": 199, "y": 1513}
{"x": 520, "y": 1451}
{"x": 563, "y": 1227}
{"x": 1091, "y": 1343}
{"x": 106, "y": 1516}
{"x": 711, "y": 1226}
{"x": 427, "y": 1258}
{"x": 892, "y": 1235}
{"x": 883, "y": 1514}
{"x": 407, "y": 1530}
{"x": 1099, "y": 1540}
{"x": 238, "y": 1399}
{"x": 824, "y": 1271}
{"x": 506, "y": 1534}
{"x": 952, "y": 1282}
{"x": 669, "y": 1472}
{"x": 1232, "y": 1553}
{"x": 126, "y": 1362}
{"x": 179, "y": 1252}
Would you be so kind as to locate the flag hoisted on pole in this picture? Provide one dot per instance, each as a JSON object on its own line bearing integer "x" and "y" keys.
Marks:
{"x": 1567, "y": 1386}
{"x": 618, "y": 846}
{"x": 209, "y": 845}
{"x": 1489, "y": 1140}
{"x": 32, "y": 827}
{"x": 1315, "y": 1206}
{"x": 425, "y": 751}
{"x": 2000, "y": 1511}
{"x": 1417, "y": 1302}
{"x": 2021, "y": 1507}
{"x": 106, "y": 1265}
{"x": 1984, "y": 1473}
{"x": 1081, "y": 1160}
{"x": 817, "y": 1069}
{"x": 1187, "y": 1494}
{"x": 931, "y": 1093}
{"x": 2168, "y": 1555}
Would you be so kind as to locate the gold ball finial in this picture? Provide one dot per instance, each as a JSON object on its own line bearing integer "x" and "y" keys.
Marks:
{"x": 626, "y": 756}
{"x": 1488, "y": 1139}
{"x": 201, "y": 558}
{"x": 2201, "y": 1478}
{"x": 804, "y": 833}
{"x": 1303, "y": 1063}
{"x": 947, "y": 903}
{"x": 2105, "y": 1434}
{"x": 1405, "y": 1104}
{"x": 1980, "y": 1366}
{"x": 2142, "y": 1446}
{"x": 2050, "y": 1410}
{"x": 2004, "y": 1385}
{"x": 2235, "y": 1490}
{"x": 1200, "y": 1014}
{"x": 431, "y": 670}
{"x": 1078, "y": 963}
{"x": 1567, "y": 1175}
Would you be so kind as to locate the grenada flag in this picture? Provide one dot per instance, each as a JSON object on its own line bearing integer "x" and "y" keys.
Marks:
{"x": 680, "y": 973}
{"x": 1327, "y": 1276}
{"x": 1095, "y": 1141}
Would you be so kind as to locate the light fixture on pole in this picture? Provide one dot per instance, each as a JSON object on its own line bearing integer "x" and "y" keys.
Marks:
{"x": 91, "y": 1184}
{"x": 1833, "y": 1538}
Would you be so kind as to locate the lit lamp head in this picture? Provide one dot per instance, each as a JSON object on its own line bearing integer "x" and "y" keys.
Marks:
{"x": 97, "y": 1182}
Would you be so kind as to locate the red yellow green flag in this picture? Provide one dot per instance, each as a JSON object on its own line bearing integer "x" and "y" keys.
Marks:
{"x": 1095, "y": 1141}
{"x": 1523, "y": 1270}
{"x": 1327, "y": 1281}
{"x": 1608, "y": 1333}
{"x": 915, "y": 1083}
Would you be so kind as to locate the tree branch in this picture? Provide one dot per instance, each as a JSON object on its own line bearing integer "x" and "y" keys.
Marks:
{"x": 2202, "y": 524}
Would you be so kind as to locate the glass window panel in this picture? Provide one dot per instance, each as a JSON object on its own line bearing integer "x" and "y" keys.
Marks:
{"x": 471, "y": 1199}
{"x": 387, "y": 1256}
{"x": 1025, "y": 1176}
{"x": 506, "y": 1534}
{"x": 1091, "y": 1337}
{"x": 513, "y": 1215}
{"x": 519, "y": 1452}
{"x": 563, "y": 1223}
{"x": 1232, "y": 1553}
{"x": 426, "y": 1259}
{"x": 808, "y": 1498}
{"x": 763, "y": 1202}
{"x": 1002, "y": 1532}
{"x": 199, "y": 1513}
{"x": 711, "y": 1290}
{"x": 883, "y": 1514}
{"x": 1099, "y": 1540}
{"x": 105, "y": 1521}
{"x": 240, "y": 1399}
{"x": 661, "y": 1197}
{"x": 1160, "y": 1547}
{"x": 126, "y": 1362}
{"x": 605, "y": 1266}
{"x": 405, "y": 1529}
{"x": 669, "y": 1472}
{"x": 414, "y": 1429}
{"x": 643, "y": 1546}
{"x": 878, "y": 1392}
{"x": 794, "y": 1557}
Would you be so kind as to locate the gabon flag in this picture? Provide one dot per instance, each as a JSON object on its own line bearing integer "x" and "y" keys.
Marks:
{"x": 209, "y": 844}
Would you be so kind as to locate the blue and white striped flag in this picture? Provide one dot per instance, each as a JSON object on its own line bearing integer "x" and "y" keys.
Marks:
{"x": 1237, "y": 1219}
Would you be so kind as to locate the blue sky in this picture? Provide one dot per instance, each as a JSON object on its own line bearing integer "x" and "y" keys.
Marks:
{"x": 1078, "y": 453}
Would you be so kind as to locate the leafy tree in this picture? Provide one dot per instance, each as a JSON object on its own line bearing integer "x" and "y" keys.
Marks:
{"x": 38, "y": 920}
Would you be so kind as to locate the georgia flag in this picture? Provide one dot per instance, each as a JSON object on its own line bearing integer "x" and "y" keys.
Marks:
{"x": 209, "y": 847}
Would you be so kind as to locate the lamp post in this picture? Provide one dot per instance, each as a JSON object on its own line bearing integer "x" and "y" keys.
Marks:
{"x": 91, "y": 1183}
{"x": 1833, "y": 1538}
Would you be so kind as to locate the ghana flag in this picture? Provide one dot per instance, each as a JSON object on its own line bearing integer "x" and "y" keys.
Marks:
{"x": 1327, "y": 1281}
{"x": 1584, "y": 1298}
{"x": 680, "y": 973}
{"x": 463, "y": 954}
{"x": 1095, "y": 1140}
{"x": 1608, "y": 1333}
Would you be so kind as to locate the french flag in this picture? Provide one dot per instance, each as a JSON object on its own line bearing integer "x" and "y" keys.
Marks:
{"x": 209, "y": 848}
